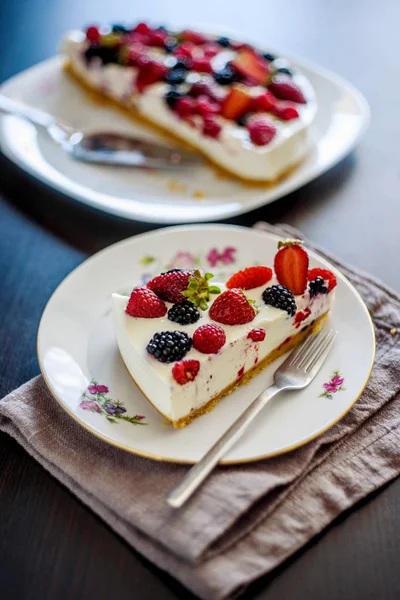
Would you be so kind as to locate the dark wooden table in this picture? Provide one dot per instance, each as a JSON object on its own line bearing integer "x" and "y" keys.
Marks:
{"x": 50, "y": 545}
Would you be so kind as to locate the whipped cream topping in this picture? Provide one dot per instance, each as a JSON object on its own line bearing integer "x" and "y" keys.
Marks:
{"x": 233, "y": 150}
{"x": 217, "y": 371}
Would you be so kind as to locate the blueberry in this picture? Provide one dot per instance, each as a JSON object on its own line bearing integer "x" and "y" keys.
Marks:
{"x": 162, "y": 28}
{"x": 181, "y": 64}
{"x": 117, "y": 28}
{"x": 224, "y": 41}
{"x": 285, "y": 70}
{"x": 227, "y": 76}
{"x": 242, "y": 121}
{"x": 171, "y": 97}
{"x": 268, "y": 56}
{"x": 176, "y": 76}
{"x": 170, "y": 44}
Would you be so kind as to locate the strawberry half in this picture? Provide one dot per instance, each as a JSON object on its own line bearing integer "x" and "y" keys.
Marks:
{"x": 232, "y": 308}
{"x": 170, "y": 285}
{"x": 250, "y": 278}
{"x": 325, "y": 274}
{"x": 250, "y": 65}
{"x": 291, "y": 266}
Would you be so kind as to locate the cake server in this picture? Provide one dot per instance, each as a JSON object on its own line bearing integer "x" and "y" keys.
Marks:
{"x": 295, "y": 373}
{"x": 103, "y": 147}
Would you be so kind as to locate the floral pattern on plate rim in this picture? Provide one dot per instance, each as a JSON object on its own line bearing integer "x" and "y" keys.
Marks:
{"x": 335, "y": 384}
{"x": 95, "y": 400}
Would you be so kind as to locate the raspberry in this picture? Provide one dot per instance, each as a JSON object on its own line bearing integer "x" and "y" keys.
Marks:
{"x": 169, "y": 346}
{"x": 142, "y": 28}
{"x": 169, "y": 286}
{"x": 285, "y": 112}
{"x": 201, "y": 89}
{"x": 209, "y": 339}
{"x": 185, "y": 106}
{"x": 211, "y": 49}
{"x": 250, "y": 278}
{"x": 192, "y": 36}
{"x": 283, "y": 88}
{"x": 232, "y": 308}
{"x": 157, "y": 38}
{"x": 145, "y": 304}
{"x": 184, "y": 49}
{"x": 280, "y": 297}
{"x": 185, "y": 371}
{"x": 150, "y": 72}
{"x": 134, "y": 53}
{"x": 202, "y": 65}
{"x": 256, "y": 335}
{"x": 207, "y": 107}
{"x": 184, "y": 313}
{"x": 263, "y": 103}
{"x": 211, "y": 128}
{"x": 92, "y": 34}
{"x": 262, "y": 130}
{"x": 325, "y": 274}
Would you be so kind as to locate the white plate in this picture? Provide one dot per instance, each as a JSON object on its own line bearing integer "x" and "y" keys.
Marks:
{"x": 342, "y": 117}
{"x": 76, "y": 345}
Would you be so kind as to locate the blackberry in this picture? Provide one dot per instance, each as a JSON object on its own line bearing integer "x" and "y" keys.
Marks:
{"x": 105, "y": 53}
{"x": 169, "y": 346}
{"x": 176, "y": 76}
{"x": 171, "y": 271}
{"x": 226, "y": 76}
{"x": 268, "y": 56}
{"x": 224, "y": 41}
{"x": 280, "y": 297}
{"x": 285, "y": 71}
{"x": 184, "y": 313}
{"x": 171, "y": 98}
{"x": 317, "y": 287}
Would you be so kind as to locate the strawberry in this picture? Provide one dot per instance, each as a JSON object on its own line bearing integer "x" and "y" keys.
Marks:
{"x": 202, "y": 65}
{"x": 249, "y": 278}
{"x": 256, "y": 335}
{"x": 236, "y": 103}
{"x": 283, "y": 88}
{"x": 209, "y": 339}
{"x": 285, "y": 112}
{"x": 193, "y": 36}
{"x": 263, "y": 103}
{"x": 325, "y": 274}
{"x": 251, "y": 66}
{"x": 232, "y": 308}
{"x": 261, "y": 129}
{"x": 185, "y": 371}
{"x": 170, "y": 285}
{"x": 145, "y": 304}
{"x": 291, "y": 266}
{"x": 185, "y": 106}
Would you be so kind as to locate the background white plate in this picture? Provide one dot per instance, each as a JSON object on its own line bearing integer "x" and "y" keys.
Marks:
{"x": 76, "y": 344}
{"x": 158, "y": 197}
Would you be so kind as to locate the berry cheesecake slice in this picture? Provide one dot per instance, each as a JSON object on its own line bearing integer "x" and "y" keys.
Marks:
{"x": 246, "y": 110}
{"x": 187, "y": 343}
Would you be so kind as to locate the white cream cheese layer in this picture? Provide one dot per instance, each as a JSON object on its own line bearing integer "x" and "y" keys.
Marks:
{"x": 233, "y": 150}
{"x": 217, "y": 371}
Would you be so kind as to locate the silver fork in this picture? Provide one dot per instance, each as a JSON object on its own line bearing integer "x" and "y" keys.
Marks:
{"x": 295, "y": 373}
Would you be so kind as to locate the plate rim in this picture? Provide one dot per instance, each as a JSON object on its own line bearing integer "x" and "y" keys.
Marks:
{"x": 290, "y": 184}
{"x": 224, "y": 462}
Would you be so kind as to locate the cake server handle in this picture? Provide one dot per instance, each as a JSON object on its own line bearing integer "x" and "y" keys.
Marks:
{"x": 34, "y": 115}
{"x": 203, "y": 468}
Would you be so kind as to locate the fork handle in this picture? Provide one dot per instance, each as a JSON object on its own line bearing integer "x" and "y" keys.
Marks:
{"x": 203, "y": 468}
{"x": 35, "y": 116}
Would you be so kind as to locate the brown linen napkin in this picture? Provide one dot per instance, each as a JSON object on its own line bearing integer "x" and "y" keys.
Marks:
{"x": 246, "y": 519}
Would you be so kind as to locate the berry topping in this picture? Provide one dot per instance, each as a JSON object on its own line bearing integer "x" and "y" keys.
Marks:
{"x": 263, "y": 103}
{"x": 157, "y": 38}
{"x": 284, "y": 89}
{"x": 250, "y": 278}
{"x": 209, "y": 339}
{"x": 145, "y": 304}
{"x": 224, "y": 41}
{"x": 268, "y": 56}
{"x": 207, "y": 107}
{"x": 150, "y": 71}
{"x": 202, "y": 65}
{"x": 185, "y": 106}
{"x": 193, "y": 36}
{"x": 291, "y": 266}
{"x": 183, "y": 63}
{"x": 106, "y": 54}
{"x": 183, "y": 313}
{"x": 285, "y": 71}
{"x": 169, "y": 286}
{"x": 175, "y": 76}
{"x": 256, "y": 335}
{"x": 211, "y": 49}
{"x": 184, "y": 49}
{"x": 171, "y": 98}
{"x": 142, "y": 28}
{"x": 242, "y": 121}
{"x": 185, "y": 371}
{"x": 211, "y": 128}
{"x": 280, "y": 297}
{"x": 251, "y": 66}
{"x": 317, "y": 286}
{"x": 118, "y": 28}
{"x": 169, "y": 346}
{"x": 198, "y": 290}
{"x": 92, "y": 34}
{"x": 232, "y": 308}
{"x": 286, "y": 112}
{"x": 326, "y": 276}
{"x": 226, "y": 76}
{"x": 236, "y": 103}
{"x": 301, "y": 316}
{"x": 262, "y": 130}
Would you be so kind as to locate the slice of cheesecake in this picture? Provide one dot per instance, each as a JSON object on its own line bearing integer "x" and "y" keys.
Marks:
{"x": 187, "y": 344}
{"x": 246, "y": 110}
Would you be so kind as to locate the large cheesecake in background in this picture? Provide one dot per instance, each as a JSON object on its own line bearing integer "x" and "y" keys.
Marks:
{"x": 187, "y": 342}
{"x": 246, "y": 110}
